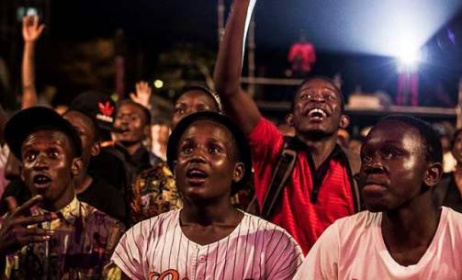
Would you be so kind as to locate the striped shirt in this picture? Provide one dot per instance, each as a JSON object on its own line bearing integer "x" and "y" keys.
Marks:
{"x": 255, "y": 249}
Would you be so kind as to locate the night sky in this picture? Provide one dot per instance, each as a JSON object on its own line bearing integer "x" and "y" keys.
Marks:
{"x": 355, "y": 37}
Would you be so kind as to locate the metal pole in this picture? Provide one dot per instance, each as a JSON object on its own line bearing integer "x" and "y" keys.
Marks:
{"x": 459, "y": 105}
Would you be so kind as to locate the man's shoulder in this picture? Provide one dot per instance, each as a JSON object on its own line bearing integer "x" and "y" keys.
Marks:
{"x": 263, "y": 227}
{"x": 157, "y": 225}
{"x": 362, "y": 221}
{"x": 93, "y": 215}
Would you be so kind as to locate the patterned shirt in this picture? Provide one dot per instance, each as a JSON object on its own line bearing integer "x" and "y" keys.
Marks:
{"x": 158, "y": 249}
{"x": 154, "y": 193}
{"x": 83, "y": 241}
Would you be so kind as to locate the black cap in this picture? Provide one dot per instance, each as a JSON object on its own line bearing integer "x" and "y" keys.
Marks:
{"x": 23, "y": 123}
{"x": 239, "y": 136}
{"x": 98, "y": 106}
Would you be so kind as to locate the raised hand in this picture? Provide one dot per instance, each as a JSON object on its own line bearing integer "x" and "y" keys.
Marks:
{"x": 143, "y": 94}
{"x": 31, "y": 29}
{"x": 16, "y": 233}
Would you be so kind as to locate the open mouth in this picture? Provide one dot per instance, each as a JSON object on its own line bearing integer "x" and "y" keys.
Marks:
{"x": 196, "y": 177}
{"x": 41, "y": 182}
{"x": 317, "y": 114}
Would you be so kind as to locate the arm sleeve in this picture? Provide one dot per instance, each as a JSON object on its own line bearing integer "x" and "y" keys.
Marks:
{"x": 322, "y": 260}
{"x": 285, "y": 258}
{"x": 265, "y": 142}
{"x": 128, "y": 253}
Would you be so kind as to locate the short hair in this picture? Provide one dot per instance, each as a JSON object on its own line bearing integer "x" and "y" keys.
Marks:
{"x": 429, "y": 137}
{"x": 146, "y": 112}
{"x": 215, "y": 97}
{"x": 326, "y": 79}
{"x": 94, "y": 124}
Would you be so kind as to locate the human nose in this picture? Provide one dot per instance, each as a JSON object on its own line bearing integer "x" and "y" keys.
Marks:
{"x": 373, "y": 164}
{"x": 41, "y": 162}
{"x": 198, "y": 155}
{"x": 317, "y": 96}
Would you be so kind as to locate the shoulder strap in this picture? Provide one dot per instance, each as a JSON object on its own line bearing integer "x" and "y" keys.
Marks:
{"x": 354, "y": 164}
{"x": 281, "y": 173}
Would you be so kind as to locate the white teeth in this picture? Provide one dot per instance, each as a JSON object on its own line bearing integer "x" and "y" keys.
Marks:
{"x": 317, "y": 111}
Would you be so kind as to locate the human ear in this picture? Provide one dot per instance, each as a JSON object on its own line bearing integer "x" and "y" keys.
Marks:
{"x": 344, "y": 121}
{"x": 76, "y": 166}
{"x": 95, "y": 149}
{"x": 433, "y": 174}
{"x": 238, "y": 173}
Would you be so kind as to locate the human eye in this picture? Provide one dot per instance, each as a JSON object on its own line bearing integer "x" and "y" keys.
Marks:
{"x": 53, "y": 154}
{"x": 179, "y": 110}
{"x": 186, "y": 148}
{"x": 366, "y": 158}
{"x": 29, "y": 156}
{"x": 304, "y": 96}
{"x": 214, "y": 149}
{"x": 390, "y": 153}
{"x": 329, "y": 96}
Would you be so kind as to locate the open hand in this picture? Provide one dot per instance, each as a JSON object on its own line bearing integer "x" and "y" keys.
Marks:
{"x": 16, "y": 233}
{"x": 31, "y": 29}
{"x": 143, "y": 94}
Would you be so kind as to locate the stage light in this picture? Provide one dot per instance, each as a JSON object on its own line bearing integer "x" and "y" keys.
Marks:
{"x": 410, "y": 57}
{"x": 158, "y": 83}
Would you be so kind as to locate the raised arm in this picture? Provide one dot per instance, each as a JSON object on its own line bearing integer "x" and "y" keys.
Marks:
{"x": 31, "y": 32}
{"x": 228, "y": 68}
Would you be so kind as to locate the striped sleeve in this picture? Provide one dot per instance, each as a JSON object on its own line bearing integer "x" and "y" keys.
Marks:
{"x": 284, "y": 256}
{"x": 128, "y": 255}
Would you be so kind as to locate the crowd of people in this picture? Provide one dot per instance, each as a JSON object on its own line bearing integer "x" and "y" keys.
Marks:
{"x": 236, "y": 197}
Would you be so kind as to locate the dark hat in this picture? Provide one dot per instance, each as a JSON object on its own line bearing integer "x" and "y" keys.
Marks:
{"x": 23, "y": 123}
{"x": 97, "y": 105}
{"x": 239, "y": 136}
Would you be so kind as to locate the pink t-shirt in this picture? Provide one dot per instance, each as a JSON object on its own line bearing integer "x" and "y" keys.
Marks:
{"x": 353, "y": 249}
{"x": 256, "y": 249}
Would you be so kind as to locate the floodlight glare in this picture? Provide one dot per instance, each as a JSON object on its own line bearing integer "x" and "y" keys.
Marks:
{"x": 410, "y": 57}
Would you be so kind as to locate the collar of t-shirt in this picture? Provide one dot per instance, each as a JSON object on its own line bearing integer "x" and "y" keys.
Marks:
{"x": 68, "y": 214}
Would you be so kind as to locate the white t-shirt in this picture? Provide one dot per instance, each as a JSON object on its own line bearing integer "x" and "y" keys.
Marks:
{"x": 353, "y": 249}
{"x": 255, "y": 249}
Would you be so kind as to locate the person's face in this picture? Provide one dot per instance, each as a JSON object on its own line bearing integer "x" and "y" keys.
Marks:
{"x": 394, "y": 168}
{"x": 317, "y": 109}
{"x": 457, "y": 148}
{"x": 191, "y": 102}
{"x": 206, "y": 166}
{"x": 84, "y": 127}
{"x": 49, "y": 166}
{"x": 132, "y": 123}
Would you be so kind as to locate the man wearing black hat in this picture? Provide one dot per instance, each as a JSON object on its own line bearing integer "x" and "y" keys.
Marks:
{"x": 208, "y": 238}
{"x": 109, "y": 163}
{"x": 53, "y": 235}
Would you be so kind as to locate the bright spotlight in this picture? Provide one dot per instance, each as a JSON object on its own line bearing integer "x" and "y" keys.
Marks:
{"x": 410, "y": 57}
{"x": 158, "y": 83}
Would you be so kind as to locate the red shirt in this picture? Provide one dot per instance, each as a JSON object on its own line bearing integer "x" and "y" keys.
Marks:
{"x": 304, "y": 220}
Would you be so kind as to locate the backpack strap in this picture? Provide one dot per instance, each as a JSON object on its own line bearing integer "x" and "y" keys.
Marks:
{"x": 354, "y": 164}
{"x": 282, "y": 172}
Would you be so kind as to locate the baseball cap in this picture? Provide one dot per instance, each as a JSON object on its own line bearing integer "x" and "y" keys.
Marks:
{"x": 23, "y": 123}
{"x": 97, "y": 105}
{"x": 239, "y": 136}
